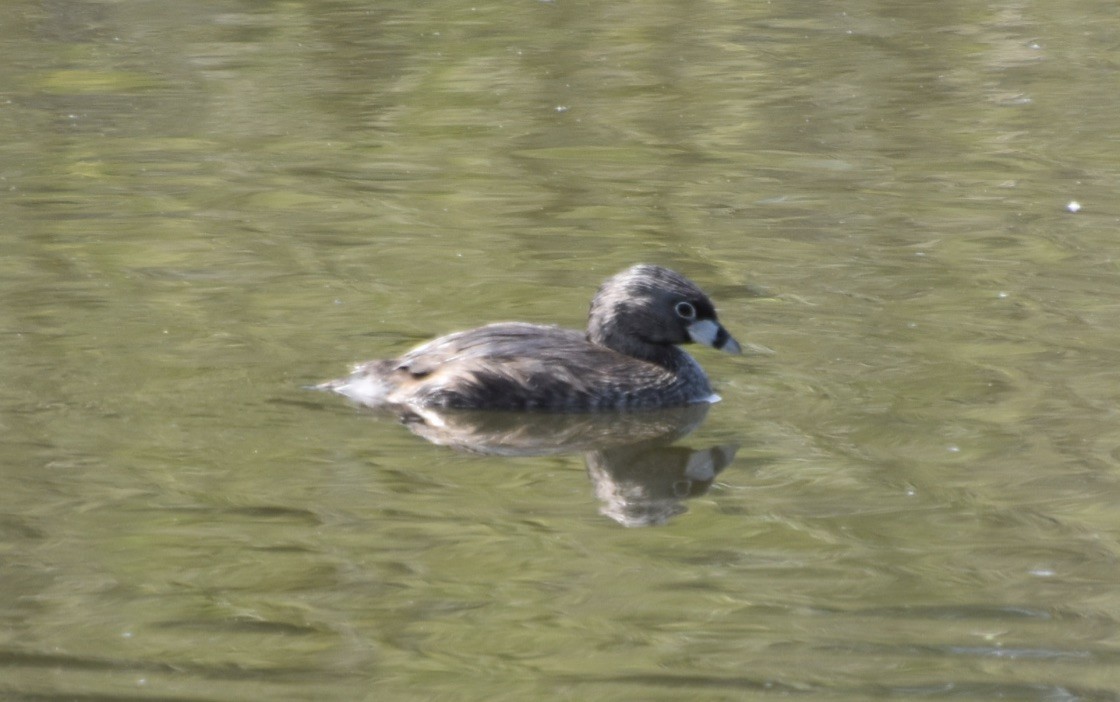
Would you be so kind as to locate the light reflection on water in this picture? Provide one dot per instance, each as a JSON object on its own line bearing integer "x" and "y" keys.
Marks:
{"x": 209, "y": 207}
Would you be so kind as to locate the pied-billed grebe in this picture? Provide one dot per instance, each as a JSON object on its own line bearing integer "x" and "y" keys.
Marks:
{"x": 627, "y": 359}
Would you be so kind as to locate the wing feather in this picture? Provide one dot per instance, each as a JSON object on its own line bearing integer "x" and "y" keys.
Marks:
{"x": 526, "y": 366}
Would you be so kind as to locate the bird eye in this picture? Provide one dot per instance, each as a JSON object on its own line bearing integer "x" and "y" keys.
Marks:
{"x": 685, "y": 310}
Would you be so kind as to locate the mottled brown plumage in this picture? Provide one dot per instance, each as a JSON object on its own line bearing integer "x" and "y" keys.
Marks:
{"x": 628, "y": 359}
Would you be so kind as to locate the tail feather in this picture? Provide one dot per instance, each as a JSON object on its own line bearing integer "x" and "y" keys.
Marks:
{"x": 368, "y": 384}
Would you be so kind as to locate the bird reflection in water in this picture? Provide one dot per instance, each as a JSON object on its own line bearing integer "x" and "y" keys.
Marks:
{"x": 638, "y": 473}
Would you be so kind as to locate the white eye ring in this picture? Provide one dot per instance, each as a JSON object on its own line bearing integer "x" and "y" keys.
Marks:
{"x": 685, "y": 310}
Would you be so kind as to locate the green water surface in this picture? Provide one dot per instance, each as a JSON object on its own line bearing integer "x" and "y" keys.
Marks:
{"x": 207, "y": 206}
